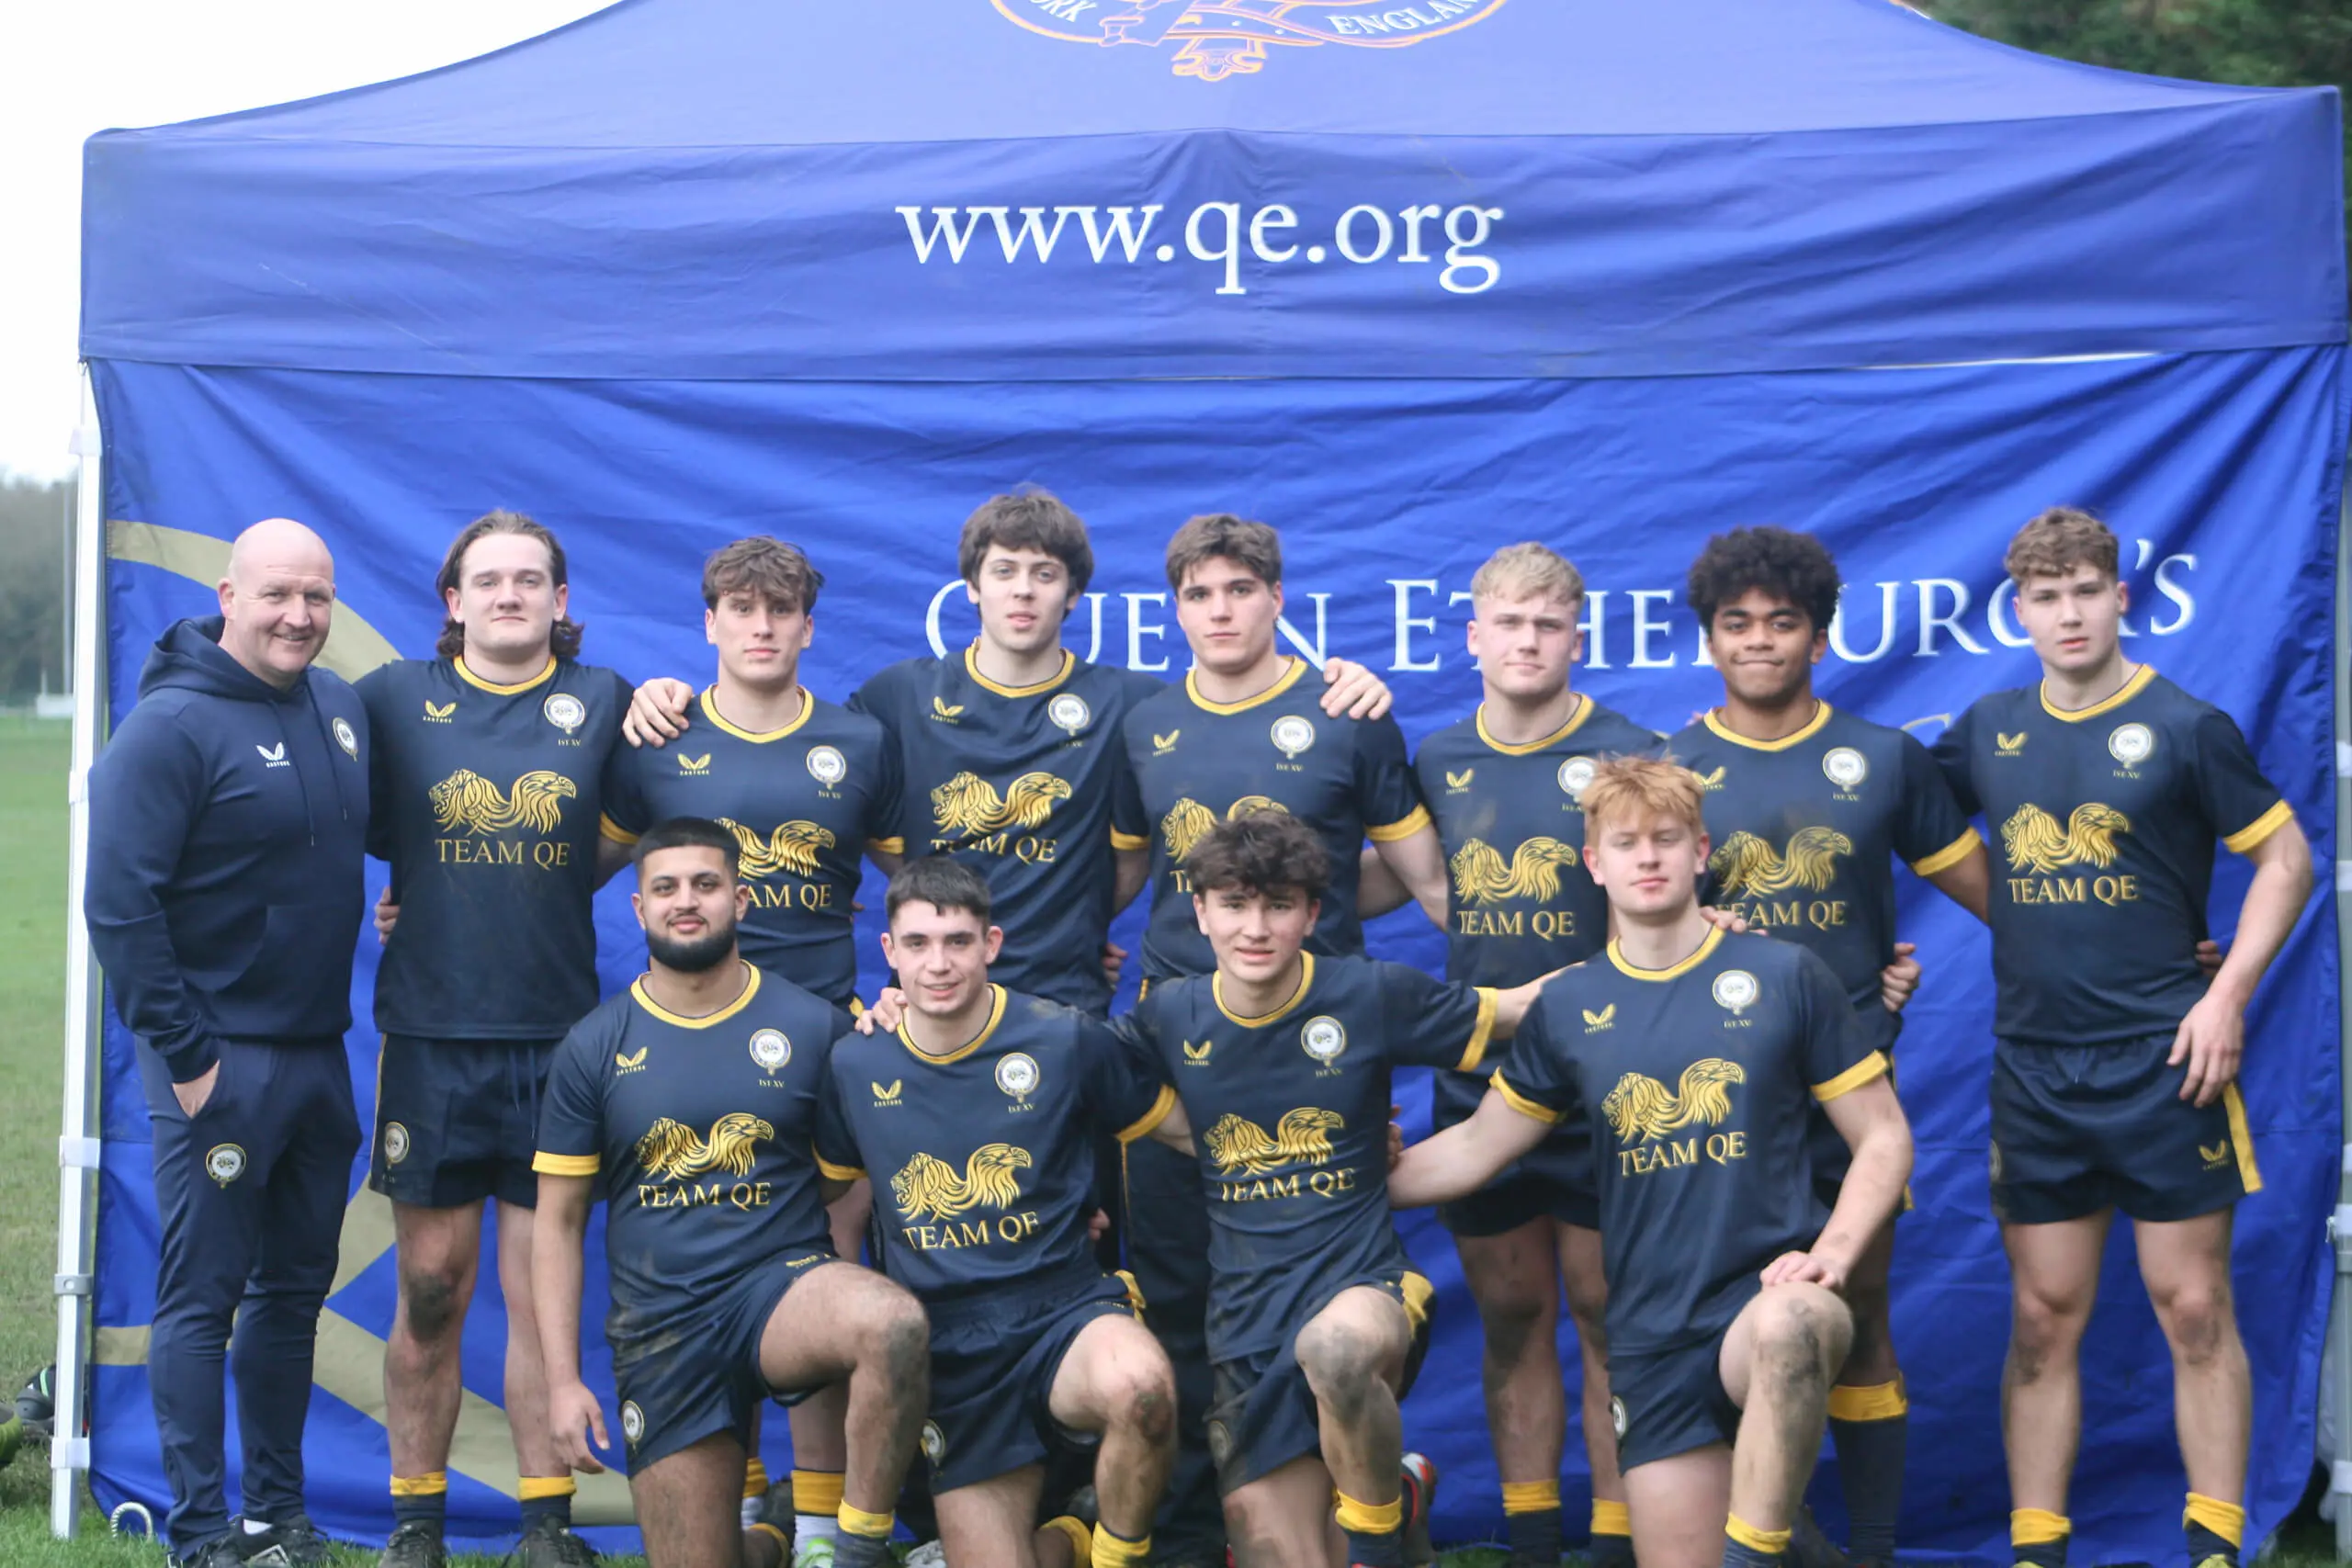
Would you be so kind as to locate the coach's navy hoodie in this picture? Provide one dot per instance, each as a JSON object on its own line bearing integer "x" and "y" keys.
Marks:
{"x": 228, "y": 825}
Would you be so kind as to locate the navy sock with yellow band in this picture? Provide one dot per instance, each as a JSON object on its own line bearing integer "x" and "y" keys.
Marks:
{"x": 1532, "y": 1522}
{"x": 1376, "y": 1531}
{"x": 864, "y": 1538}
{"x": 1871, "y": 1426}
{"x": 2038, "y": 1537}
{"x": 421, "y": 1500}
{"x": 1744, "y": 1546}
{"x": 2213, "y": 1528}
{"x": 547, "y": 1497}
{"x": 1612, "y": 1535}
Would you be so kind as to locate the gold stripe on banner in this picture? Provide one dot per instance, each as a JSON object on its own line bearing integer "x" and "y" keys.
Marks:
{"x": 353, "y": 647}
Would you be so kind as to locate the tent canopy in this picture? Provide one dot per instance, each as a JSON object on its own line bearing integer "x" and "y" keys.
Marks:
{"x": 736, "y": 189}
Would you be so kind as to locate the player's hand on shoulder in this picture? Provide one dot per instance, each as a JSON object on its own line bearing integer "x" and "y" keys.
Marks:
{"x": 889, "y": 1010}
{"x": 388, "y": 915}
{"x": 1725, "y": 919}
{"x": 1803, "y": 1268}
{"x": 2211, "y": 1040}
{"x": 1395, "y": 1138}
{"x": 1900, "y": 978}
{"x": 576, "y": 1418}
{"x": 1115, "y": 958}
{"x": 1351, "y": 690}
{"x": 2209, "y": 958}
{"x": 657, "y": 712}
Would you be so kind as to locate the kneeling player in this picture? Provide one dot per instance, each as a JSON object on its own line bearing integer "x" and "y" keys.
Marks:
{"x": 978, "y": 1118}
{"x": 1316, "y": 1320}
{"x": 693, "y": 1098}
{"x": 1694, "y": 1056}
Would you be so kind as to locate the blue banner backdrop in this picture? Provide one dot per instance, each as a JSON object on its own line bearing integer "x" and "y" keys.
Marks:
{"x": 2218, "y": 470}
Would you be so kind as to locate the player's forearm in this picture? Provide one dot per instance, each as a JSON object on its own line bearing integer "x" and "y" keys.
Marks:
{"x": 1968, "y": 884}
{"x": 1378, "y": 889}
{"x": 1130, "y": 873}
{"x": 1466, "y": 1157}
{"x": 557, "y": 1266}
{"x": 611, "y": 855}
{"x": 1871, "y": 1192}
{"x": 1419, "y": 863}
{"x": 2282, "y": 883}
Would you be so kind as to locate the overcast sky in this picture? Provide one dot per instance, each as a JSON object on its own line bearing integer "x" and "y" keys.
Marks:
{"x": 75, "y": 67}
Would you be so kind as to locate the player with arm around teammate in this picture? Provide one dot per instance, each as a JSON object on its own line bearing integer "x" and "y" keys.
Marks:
{"x": 978, "y": 1116}
{"x": 690, "y": 1102}
{"x": 2115, "y": 1063}
{"x": 1695, "y": 1056}
{"x": 1282, "y": 1060}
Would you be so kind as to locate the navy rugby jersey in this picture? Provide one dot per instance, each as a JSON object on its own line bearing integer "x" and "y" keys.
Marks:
{"x": 1697, "y": 1082}
{"x": 803, "y": 801}
{"x": 2103, "y": 821}
{"x": 1805, "y": 830}
{"x": 703, "y": 1133}
{"x": 983, "y": 1160}
{"x": 1289, "y": 1114}
{"x": 485, "y": 800}
{"x": 1195, "y": 761}
{"x": 1022, "y": 785}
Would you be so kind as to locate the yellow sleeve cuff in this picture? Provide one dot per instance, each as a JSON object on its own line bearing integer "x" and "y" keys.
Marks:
{"x": 1868, "y": 1069}
{"x": 1148, "y": 1123}
{"x": 1129, "y": 841}
{"x": 615, "y": 831}
{"x": 838, "y": 1172}
{"x": 547, "y": 1164}
{"x": 891, "y": 846}
{"x": 1951, "y": 855}
{"x": 1480, "y": 1032}
{"x": 1522, "y": 1104}
{"x": 2261, "y": 827}
{"x": 1404, "y": 827}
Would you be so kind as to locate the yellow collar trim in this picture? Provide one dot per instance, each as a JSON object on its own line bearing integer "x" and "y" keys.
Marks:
{"x": 710, "y": 711}
{"x": 1289, "y": 679}
{"x": 1305, "y": 981}
{"x": 1617, "y": 956}
{"x": 972, "y": 668}
{"x": 995, "y": 1016}
{"x": 1821, "y": 712}
{"x": 644, "y": 999}
{"x": 495, "y": 689}
{"x": 1575, "y": 722}
{"x": 2123, "y": 693}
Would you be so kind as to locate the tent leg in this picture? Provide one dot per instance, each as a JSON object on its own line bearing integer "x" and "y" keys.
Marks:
{"x": 77, "y": 1149}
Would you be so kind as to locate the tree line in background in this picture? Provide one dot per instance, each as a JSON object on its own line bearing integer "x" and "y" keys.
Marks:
{"x": 34, "y": 520}
{"x": 2253, "y": 43}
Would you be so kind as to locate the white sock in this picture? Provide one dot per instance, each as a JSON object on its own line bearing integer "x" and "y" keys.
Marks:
{"x": 258, "y": 1527}
{"x": 816, "y": 1527}
{"x": 751, "y": 1506}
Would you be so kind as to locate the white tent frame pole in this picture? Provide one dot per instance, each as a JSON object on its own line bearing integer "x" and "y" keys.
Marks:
{"x": 77, "y": 1147}
{"x": 2339, "y": 1323}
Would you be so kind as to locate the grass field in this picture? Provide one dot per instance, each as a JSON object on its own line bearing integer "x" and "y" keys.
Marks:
{"x": 33, "y": 758}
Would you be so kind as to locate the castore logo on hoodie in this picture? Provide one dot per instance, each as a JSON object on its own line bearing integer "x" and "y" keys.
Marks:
{"x": 275, "y": 755}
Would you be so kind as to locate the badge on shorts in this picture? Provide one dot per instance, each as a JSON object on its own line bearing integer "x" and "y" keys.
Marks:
{"x": 827, "y": 765}
{"x": 771, "y": 1050}
{"x": 632, "y": 1422}
{"x": 1574, "y": 774}
{"x": 934, "y": 1442}
{"x": 346, "y": 739}
{"x": 1996, "y": 1161}
{"x": 1220, "y": 1443}
{"x": 1324, "y": 1038}
{"x": 2131, "y": 744}
{"x": 564, "y": 711}
{"x": 1292, "y": 735}
{"x": 395, "y": 1143}
{"x": 1017, "y": 1074}
{"x": 1617, "y": 1417}
{"x": 1845, "y": 767}
{"x": 224, "y": 1163}
{"x": 1735, "y": 988}
{"x": 1069, "y": 713}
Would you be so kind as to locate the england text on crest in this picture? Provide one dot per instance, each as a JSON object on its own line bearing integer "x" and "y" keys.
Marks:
{"x": 1211, "y": 39}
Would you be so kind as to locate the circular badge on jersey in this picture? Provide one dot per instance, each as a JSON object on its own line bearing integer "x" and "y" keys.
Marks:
{"x": 1735, "y": 988}
{"x": 934, "y": 1442}
{"x": 345, "y": 738}
{"x": 1323, "y": 1038}
{"x": 1220, "y": 1442}
{"x": 1617, "y": 1417}
{"x": 632, "y": 1422}
{"x": 827, "y": 765}
{"x": 1069, "y": 713}
{"x": 1292, "y": 735}
{"x": 1574, "y": 774}
{"x": 770, "y": 1049}
{"x": 1846, "y": 767}
{"x": 564, "y": 711}
{"x": 224, "y": 1163}
{"x": 2131, "y": 744}
{"x": 395, "y": 1143}
{"x": 1017, "y": 1074}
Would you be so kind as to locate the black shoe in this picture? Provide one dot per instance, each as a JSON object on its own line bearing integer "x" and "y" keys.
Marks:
{"x": 37, "y": 1403}
{"x": 414, "y": 1545}
{"x": 219, "y": 1553}
{"x": 1808, "y": 1547}
{"x": 295, "y": 1544}
{"x": 551, "y": 1545}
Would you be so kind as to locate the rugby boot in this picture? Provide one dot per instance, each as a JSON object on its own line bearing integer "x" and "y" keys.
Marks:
{"x": 414, "y": 1545}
